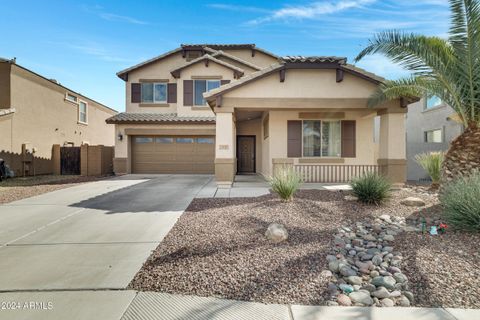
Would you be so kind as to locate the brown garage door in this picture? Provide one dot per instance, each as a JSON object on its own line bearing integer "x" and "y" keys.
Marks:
{"x": 173, "y": 154}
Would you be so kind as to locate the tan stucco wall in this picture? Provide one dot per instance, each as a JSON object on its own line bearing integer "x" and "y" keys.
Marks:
{"x": 253, "y": 128}
{"x": 44, "y": 118}
{"x": 200, "y": 70}
{"x": 260, "y": 59}
{"x": 304, "y": 84}
{"x": 392, "y": 136}
{"x": 365, "y": 145}
{"x": 156, "y": 70}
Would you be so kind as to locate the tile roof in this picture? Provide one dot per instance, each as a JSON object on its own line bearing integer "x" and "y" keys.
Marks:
{"x": 212, "y": 48}
{"x": 235, "y": 58}
{"x": 251, "y": 77}
{"x": 314, "y": 59}
{"x": 208, "y": 57}
{"x": 219, "y": 46}
{"x": 126, "y": 117}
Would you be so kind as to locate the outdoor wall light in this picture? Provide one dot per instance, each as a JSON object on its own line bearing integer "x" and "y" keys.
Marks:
{"x": 120, "y": 136}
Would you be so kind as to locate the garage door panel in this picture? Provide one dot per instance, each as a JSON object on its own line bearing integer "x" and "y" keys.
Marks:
{"x": 170, "y": 154}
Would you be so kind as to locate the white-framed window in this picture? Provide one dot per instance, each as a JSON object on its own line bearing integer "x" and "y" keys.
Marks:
{"x": 82, "y": 112}
{"x": 433, "y": 136}
{"x": 432, "y": 102}
{"x": 321, "y": 138}
{"x": 201, "y": 86}
{"x": 154, "y": 92}
{"x": 70, "y": 97}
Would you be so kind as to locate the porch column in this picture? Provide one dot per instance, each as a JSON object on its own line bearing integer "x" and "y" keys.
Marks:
{"x": 225, "y": 154}
{"x": 392, "y": 146}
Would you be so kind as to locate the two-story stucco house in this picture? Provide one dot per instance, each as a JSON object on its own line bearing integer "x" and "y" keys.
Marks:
{"x": 37, "y": 112}
{"x": 232, "y": 109}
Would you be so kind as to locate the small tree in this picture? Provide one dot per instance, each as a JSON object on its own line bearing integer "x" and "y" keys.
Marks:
{"x": 432, "y": 164}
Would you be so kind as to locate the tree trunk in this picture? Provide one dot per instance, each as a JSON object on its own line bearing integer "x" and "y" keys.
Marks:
{"x": 463, "y": 157}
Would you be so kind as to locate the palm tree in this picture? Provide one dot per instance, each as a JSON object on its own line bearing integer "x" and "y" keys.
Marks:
{"x": 446, "y": 68}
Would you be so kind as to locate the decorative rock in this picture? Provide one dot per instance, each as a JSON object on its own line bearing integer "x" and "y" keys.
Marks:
{"x": 395, "y": 294}
{"x": 332, "y": 303}
{"x": 387, "y": 249}
{"x": 276, "y": 233}
{"x": 386, "y": 218}
{"x": 377, "y": 260}
{"x": 386, "y": 303}
{"x": 354, "y": 280}
{"x": 344, "y": 300}
{"x": 381, "y": 293}
{"x": 387, "y": 282}
{"x": 326, "y": 273}
{"x": 334, "y": 266}
{"x": 347, "y": 271}
{"x": 413, "y": 202}
{"x": 400, "y": 277}
{"x": 409, "y": 296}
{"x": 331, "y": 258}
{"x": 361, "y": 296}
{"x": 394, "y": 270}
{"x": 369, "y": 237}
{"x": 369, "y": 287}
{"x": 366, "y": 257}
{"x": 374, "y": 274}
{"x": 346, "y": 288}
{"x": 403, "y": 301}
{"x": 332, "y": 289}
{"x": 389, "y": 237}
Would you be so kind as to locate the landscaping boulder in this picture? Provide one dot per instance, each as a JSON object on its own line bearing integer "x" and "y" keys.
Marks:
{"x": 413, "y": 202}
{"x": 276, "y": 233}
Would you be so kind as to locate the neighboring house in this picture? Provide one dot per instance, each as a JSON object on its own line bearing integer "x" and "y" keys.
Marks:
{"x": 431, "y": 126}
{"x": 231, "y": 109}
{"x": 37, "y": 113}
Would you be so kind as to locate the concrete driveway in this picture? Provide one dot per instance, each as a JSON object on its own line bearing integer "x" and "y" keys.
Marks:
{"x": 92, "y": 236}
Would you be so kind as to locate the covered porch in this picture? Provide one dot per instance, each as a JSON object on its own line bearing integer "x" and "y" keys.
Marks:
{"x": 311, "y": 115}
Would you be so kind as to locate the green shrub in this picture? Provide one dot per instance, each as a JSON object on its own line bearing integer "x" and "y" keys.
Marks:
{"x": 371, "y": 188}
{"x": 285, "y": 182}
{"x": 432, "y": 164}
{"x": 461, "y": 202}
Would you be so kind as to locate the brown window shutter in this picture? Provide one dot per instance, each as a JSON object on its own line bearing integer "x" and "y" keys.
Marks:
{"x": 349, "y": 139}
{"x": 294, "y": 137}
{"x": 172, "y": 93}
{"x": 136, "y": 93}
{"x": 188, "y": 92}
{"x": 222, "y": 82}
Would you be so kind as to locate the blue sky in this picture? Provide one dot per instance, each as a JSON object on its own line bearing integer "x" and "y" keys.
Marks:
{"x": 83, "y": 44}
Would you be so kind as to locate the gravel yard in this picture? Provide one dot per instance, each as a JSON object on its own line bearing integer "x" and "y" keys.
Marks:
{"x": 21, "y": 188}
{"x": 218, "y": 248}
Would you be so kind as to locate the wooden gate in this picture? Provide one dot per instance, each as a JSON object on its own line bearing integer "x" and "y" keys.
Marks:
{"x": 70, "y": 160}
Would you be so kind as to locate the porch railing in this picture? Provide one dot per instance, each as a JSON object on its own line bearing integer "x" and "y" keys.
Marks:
{"x": 333, "y": 173}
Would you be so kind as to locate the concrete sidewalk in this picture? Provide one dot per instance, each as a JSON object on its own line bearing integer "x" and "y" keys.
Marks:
{"x": 130, "y": 305}
{"x": 256, "y": 186}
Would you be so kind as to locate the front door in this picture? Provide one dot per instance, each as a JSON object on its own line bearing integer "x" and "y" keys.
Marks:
{"x": 246, "y": 154}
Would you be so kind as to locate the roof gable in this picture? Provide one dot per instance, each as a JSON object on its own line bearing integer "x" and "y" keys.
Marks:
{"x": 206, "y": 59}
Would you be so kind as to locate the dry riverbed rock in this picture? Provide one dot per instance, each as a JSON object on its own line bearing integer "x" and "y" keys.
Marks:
{"x": 366, "y": 267}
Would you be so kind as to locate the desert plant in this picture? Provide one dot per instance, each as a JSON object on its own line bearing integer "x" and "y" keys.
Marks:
{"x": 446, "y": 68}
{"x": 460, "y": 199}
{"x": 432, "y": 163}
{"x": 285, "y": 182}
{"x": 371, "y": 188}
